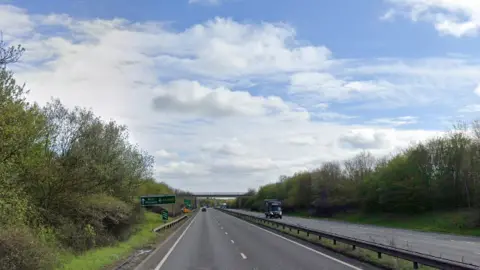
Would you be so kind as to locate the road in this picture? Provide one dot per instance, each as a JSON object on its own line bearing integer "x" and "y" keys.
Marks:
{"x": 214, "y": 240}
{"x": 442, "y": 245}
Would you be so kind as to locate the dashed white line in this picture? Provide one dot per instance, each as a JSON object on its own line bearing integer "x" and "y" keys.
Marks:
{"x": 243, "y": 256}
{"x": 226, "y": 232}
{"x": 232, "y": 241}
{"x": 298, "y": 244}
{"x": 221, "y": 228}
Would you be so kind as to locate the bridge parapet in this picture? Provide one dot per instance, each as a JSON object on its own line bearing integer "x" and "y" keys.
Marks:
{"x": 220, "y": 194}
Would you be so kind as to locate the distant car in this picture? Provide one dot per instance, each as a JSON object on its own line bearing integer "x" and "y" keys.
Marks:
{"x": 204, "y": 209}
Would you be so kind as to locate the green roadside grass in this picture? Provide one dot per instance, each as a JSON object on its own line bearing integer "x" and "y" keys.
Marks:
{"x": 460, "y": 222}
{"x": 102, "y": 258}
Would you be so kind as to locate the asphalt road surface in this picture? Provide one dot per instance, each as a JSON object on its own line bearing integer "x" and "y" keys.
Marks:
{"x": 214, "y": 240}
{"x": 459, "y": 248}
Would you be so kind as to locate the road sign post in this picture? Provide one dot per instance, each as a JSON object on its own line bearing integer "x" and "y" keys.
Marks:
{"x": 157, "y": 200}
{"x": 165, "y": 216}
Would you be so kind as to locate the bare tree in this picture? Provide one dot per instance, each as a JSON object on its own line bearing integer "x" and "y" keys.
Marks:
{"x": 359, "y": 166}
{"x": 9, "y": 54}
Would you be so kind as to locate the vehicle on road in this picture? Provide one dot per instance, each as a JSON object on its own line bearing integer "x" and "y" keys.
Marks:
{"x": 204, "y": 209}
{"x": 273, "y": 208}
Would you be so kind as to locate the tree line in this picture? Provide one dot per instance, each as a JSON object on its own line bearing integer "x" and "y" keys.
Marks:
{"x": 69, "y": 181}
{"x": 440, "y": 174}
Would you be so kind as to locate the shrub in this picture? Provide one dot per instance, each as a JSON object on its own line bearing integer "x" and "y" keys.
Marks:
{"x": 20, "y": 249}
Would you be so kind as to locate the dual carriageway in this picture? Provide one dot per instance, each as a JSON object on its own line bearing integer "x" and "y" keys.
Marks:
{"x": 215, "y": 240}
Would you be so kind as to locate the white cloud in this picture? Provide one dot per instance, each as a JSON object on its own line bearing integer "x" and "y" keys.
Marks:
{"x": 439, "y": 82}
{"x": 181, "y": 168}
{"x": 303, "y": 140}
{"x": 365, "y": 139}
{"x": 327, "y": 116}
{"x": 329, "y": 87}
{"x": 387, "y": 16}
{"x": 397, "y": 121}
{"x": 470, "y": 108}
{"x": 164, "y": 154}
{"x": 477, "y": 90}
{"x": 231, "y": 147}
{"x": 120, "y": 69}
{"x": 192, "y": 98}
{"x": 452, "y": 17}
{"x": 14, "y": 22}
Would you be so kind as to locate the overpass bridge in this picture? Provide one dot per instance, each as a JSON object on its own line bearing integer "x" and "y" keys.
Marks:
{"x": 220, "y": 194}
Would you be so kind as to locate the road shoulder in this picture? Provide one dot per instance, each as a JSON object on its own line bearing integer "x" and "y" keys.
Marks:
{"x": 152, "y": 260}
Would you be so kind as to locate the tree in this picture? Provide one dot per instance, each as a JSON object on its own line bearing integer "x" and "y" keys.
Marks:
{"x": 9, "y": 54}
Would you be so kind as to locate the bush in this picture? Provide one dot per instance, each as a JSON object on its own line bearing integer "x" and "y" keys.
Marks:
{"x": 20, "y": 249}
{"x": 100, "y": 220}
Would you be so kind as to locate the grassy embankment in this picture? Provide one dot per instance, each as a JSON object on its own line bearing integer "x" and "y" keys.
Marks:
{"x": 105, "y": 257}
{"x": 461, "y": 222}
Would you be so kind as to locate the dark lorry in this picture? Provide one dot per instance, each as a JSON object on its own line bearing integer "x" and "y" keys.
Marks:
{"x": 273, "y": 208}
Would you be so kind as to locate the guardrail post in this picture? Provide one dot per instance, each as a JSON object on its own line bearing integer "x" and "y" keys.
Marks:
{"x": 319, "y": 237}
{"x": 353, "y": 247}
{"x": 298, "y": 231}
{"x": 308, "y": 234}
{"x": 415, "y": 265}
{"x": 334, "y": 241}
{"x": 379, "y": 255}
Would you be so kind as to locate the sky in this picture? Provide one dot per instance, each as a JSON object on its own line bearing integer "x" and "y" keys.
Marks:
{"x": 230, "y": 94}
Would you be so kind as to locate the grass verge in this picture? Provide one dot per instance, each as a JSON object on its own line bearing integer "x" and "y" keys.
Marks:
{"x": 106, "y": 257}
{"x": 365, "y": 255}
{"x": 461, "y": 222}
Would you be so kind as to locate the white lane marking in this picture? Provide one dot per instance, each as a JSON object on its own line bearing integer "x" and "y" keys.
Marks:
{"x": 232, "y": 241}
{"x": 243, "y": 256}
{"x": 221, "y": 228}
{"x": 300, "y": 245}
{"x": 162, "y": 262}
{"x": 226, "y": 232}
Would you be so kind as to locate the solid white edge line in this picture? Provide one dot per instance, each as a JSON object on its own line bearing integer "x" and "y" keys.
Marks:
{"x": 162, "y": 244}
{"x": 298, "y": 244}
{"x": 164, "y": 259}
{"x": 243, "y": 256}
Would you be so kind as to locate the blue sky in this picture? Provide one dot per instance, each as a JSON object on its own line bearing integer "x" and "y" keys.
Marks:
{"x": 352, "y": 29}
{"x": 229, "y": 94}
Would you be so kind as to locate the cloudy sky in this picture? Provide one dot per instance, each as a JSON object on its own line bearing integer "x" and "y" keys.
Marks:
{"x": 230, "y": 94}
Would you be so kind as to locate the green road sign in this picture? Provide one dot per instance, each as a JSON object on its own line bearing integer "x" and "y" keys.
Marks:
{"x": 188, "y": 203}
{"x": 165, "y": 215}
{"x": 157, "y": 199}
